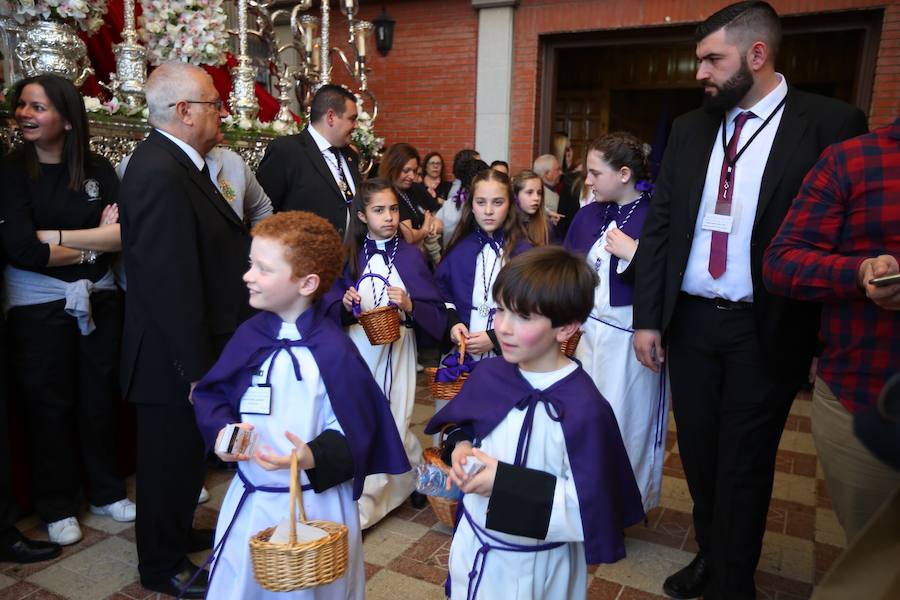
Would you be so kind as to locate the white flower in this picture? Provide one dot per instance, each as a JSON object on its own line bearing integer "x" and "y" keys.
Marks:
{"x": 92, "y": 104}
{"x": 245, "y": 123}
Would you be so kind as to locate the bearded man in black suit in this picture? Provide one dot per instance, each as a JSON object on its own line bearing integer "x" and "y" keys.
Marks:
{"x": 736, "y": 354}
{"x": 185, "y": 251}
{"x": 316, "y": 170}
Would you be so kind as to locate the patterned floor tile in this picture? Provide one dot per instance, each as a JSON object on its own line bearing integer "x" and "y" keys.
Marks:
{"x": 647, "y": 565}
{"x": 96, "y": 572}
{"x": 388, "y": 585}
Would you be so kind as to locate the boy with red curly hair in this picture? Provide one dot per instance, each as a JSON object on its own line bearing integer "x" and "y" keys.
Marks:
{"x": 292, "y": 376}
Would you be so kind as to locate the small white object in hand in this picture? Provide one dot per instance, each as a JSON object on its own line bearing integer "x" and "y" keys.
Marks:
{"x": 305, "y": 533}
{"x": 473, "y": 466}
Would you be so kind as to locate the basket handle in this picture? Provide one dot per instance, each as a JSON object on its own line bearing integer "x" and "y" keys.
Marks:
{"x": 356, "y": 307}
{"x": 296, "y": 497}
{"x": 462, "y": 350}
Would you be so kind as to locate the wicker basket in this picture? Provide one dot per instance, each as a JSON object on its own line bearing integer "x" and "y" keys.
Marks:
{"x": 382, "y": 324}
{"x": 444, "y": 508}
{"x": 569, "y": 346}
{"x": 447, "y": 390}
{"x": 293, "y": 566}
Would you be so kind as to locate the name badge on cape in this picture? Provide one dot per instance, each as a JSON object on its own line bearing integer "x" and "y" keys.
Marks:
{"x": 257, "y": 400}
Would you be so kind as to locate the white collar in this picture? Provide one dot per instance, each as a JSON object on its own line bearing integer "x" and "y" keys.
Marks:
{"x": 187, "y": 148}
{"x": 766, "y": 105}
{"x": 323, "y": 144}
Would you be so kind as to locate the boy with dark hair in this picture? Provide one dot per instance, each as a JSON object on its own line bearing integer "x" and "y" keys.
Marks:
{"x": 556, "y": 490}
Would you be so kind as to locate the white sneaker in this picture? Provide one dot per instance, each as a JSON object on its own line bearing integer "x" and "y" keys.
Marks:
{"x": 204, "y": 495}
{"x": 64, "y": 532}
{"x": 123, "y": 511}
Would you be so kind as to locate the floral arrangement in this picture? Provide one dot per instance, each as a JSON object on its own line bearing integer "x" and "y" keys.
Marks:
{"x": 363, "y": 136}
{"x": 232, "y": 126}
{"x": 188, "y": 30}
{"x": 86, "y": 15}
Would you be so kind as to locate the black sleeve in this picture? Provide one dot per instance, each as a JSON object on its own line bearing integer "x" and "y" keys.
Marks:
{"x": 521, "y": 502}
{"x": 347, "y": 318}
{"x": 20, "y": 243}
{"x": 627, "y": 276}
{"x": 497, "y": 350}
{"x": 272, "y": 173}
{"x": 451, "y": 439}
{"x": 334, "y": 461}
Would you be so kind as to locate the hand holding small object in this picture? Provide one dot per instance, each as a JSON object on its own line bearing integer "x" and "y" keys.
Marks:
{"x": 225, "y": 457}
{"x": 458, "y": 461}
{"x": 481, "y": 480}
{"x": 351, "y": 296}
{"x": 272, "y": 462}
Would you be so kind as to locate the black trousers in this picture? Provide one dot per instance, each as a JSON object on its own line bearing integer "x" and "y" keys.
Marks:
{"x": 730, "y": 411}
{"x": 170, "y": 472}
{"x": 8, "y": 509}
{"x": 68, "y": 384}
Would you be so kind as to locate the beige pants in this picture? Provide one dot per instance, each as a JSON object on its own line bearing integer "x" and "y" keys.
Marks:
{"x": 858, "y": 482}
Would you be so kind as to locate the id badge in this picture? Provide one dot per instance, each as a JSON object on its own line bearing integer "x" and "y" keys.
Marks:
{"x": 716, "y": 222}
{"x": 257, "y": 400}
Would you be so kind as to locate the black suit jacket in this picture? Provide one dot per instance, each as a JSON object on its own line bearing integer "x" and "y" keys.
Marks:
{"x": 787, "y": 328}
{"x": 295, "y": 176}
{"x": 185, "y": 251}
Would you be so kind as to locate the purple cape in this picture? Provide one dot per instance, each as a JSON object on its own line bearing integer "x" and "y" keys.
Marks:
{"x": 586, "y": 229}
{"x": 357, "y": 401}
{"x": 429, "y": 313}
{"x": 455, "y": 274}
{"x": 608, "y": 497}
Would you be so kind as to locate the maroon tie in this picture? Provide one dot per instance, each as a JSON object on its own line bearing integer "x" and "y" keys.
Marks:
{"x": 718, "y": 248}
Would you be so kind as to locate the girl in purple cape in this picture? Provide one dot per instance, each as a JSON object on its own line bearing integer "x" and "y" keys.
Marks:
{"x": 556, "y": 491}
{"x": 292, "y": 376}
{"x": 488, "y": 234}
{"x": 607, "y": 231}
{"x": 374, "y": 247}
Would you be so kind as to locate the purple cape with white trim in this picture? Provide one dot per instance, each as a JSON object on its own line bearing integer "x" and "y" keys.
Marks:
{"x": 608, "y": 497}
{"x": 586, "y": 228}
{"x": 455, "y": 275}
{"x": 358, "y": 403}
{"x": 429, "y": 313}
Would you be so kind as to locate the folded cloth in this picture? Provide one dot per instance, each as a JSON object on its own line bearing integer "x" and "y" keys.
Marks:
{"x": 26, "y": 288}
{"x": 453, "y": 369}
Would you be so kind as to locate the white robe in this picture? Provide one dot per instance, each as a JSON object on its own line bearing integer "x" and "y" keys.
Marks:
{"x": 382, "y": 492}
{"x": 303, "y": 408}
{"x": 549, "y": 574}
{"x": 633, "y": 391}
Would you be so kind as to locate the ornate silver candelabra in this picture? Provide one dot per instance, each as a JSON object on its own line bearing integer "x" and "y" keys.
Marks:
{"x": 127, "y": 83}
{"x": 242, "y": 100}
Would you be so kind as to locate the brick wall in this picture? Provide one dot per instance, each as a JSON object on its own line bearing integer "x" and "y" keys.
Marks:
{"x": 426, "y": 84}
{"x": 539, "y": 17}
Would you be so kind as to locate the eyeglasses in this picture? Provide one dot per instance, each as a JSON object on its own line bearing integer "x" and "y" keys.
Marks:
{"x": 217, "y": 103}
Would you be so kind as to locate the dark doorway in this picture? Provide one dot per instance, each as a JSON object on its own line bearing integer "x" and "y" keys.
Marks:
{"x": 639, "y": 80}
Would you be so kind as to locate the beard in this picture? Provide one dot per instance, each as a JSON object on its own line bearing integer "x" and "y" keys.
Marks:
{"x": 730, "y": 93}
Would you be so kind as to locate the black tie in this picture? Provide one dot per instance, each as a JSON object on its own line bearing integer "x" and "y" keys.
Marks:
{"x": 345, "y": 186}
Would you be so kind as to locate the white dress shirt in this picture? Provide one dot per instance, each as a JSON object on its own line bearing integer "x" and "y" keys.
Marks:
{"x": 736, "y": 283}
{"x": 188, "y": 149}
{"x": 325, "y": 148}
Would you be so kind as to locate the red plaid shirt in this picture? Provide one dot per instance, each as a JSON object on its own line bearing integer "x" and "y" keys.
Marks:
{"x": 848, "y": 209}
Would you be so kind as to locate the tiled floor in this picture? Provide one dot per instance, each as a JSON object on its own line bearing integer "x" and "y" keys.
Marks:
{"x": 406, "y": 554}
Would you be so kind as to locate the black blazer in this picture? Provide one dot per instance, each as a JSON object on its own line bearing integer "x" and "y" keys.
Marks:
{"x": 185, "y": 251}
{"x": 295, "y": 176}
{"x": 787, "y": 328}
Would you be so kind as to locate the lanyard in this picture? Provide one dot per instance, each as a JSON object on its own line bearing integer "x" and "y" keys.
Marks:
{"x": 732, "y": 163}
